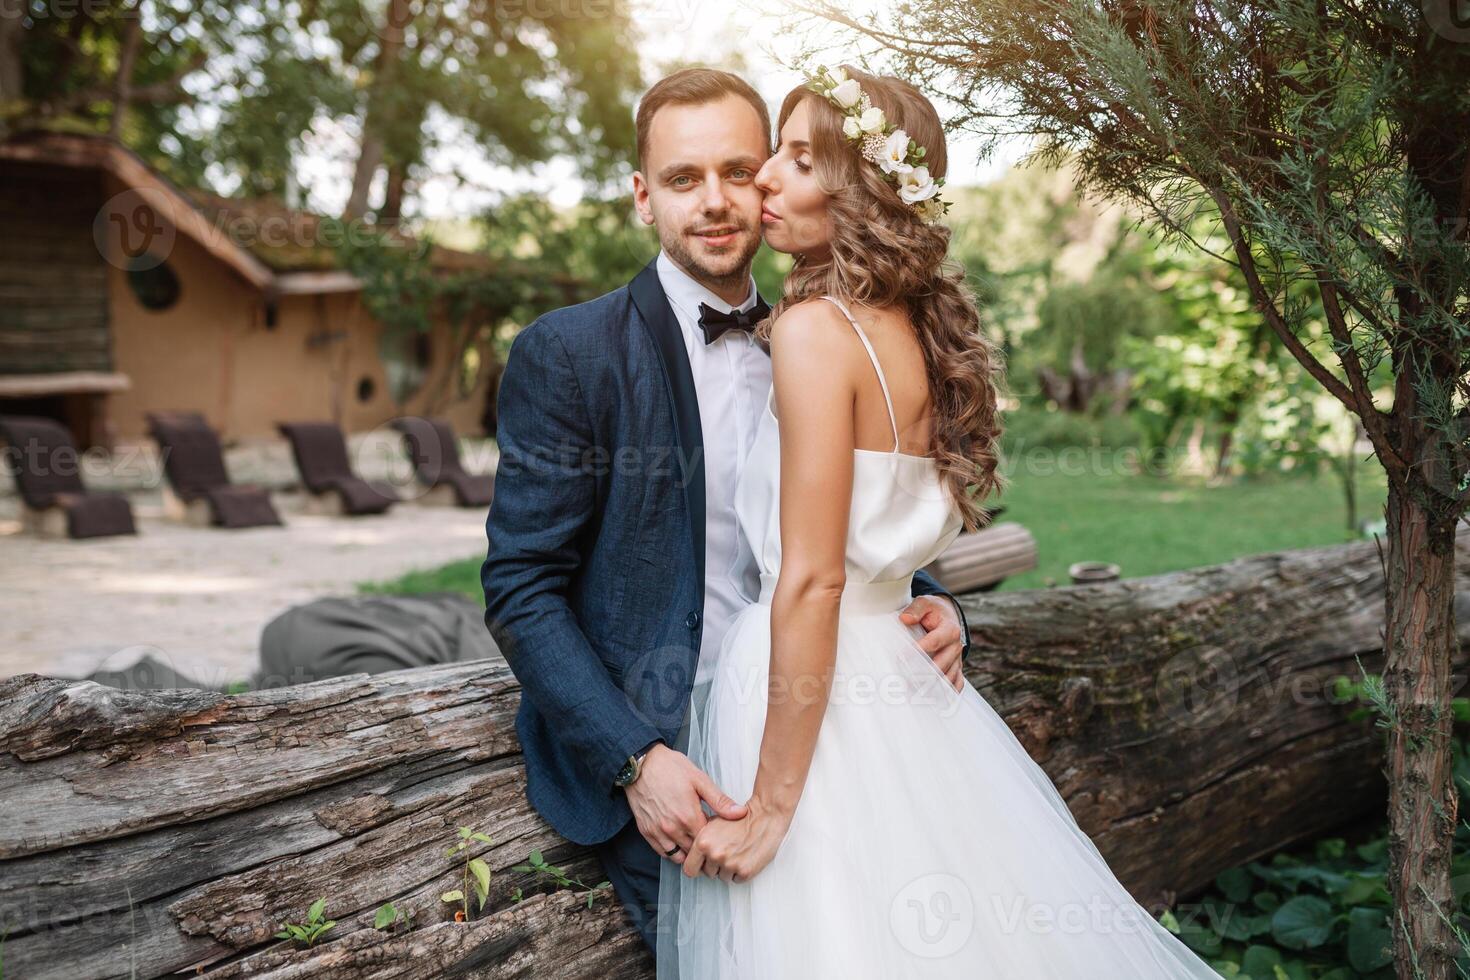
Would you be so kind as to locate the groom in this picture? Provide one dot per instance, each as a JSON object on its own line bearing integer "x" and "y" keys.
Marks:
{"x": 614, "y": 562}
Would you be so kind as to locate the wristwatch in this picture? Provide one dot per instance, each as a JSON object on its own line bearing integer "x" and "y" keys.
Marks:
{"x": 629, "y": 773}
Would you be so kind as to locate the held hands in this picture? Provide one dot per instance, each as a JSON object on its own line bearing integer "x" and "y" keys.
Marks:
{"x": 943, "y": 641}
{"x": 665, "y": 801}
{"x": 736, "y": 850}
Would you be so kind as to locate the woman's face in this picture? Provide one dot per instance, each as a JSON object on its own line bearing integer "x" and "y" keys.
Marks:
{"x": 794, "y": 213}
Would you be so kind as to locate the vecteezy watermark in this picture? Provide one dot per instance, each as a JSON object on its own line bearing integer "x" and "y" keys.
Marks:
{"x": 67, "y": 10}
{"x": 133, "y": 465}
{"x": 1199, "y": 687}
{"x": 1450, "y": 19}
{"x": 395, "y": 19}
{"x": 933, "y": 916}
{"x": 136, "y": 230}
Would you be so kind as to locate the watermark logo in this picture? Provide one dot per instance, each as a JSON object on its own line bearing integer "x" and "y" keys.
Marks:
{"x": 135, "y": 230}
{"x": 933, "y": 915}
{"x": 1450, "y": 19}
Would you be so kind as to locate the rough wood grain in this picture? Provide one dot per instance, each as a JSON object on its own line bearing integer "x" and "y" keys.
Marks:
{"x": 1187, "y": 719}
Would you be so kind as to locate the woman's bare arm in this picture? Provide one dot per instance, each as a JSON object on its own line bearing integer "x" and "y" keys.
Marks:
{"x": 815, "y": 376}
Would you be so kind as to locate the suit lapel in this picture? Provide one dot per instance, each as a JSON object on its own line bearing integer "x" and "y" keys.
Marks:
{"x": 668, "y": 340}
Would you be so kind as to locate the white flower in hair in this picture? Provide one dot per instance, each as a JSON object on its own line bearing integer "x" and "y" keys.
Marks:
{"x": 882, "y": 143}
{"x": 915, "y": 185}
{"x": 930, "y": 210}
{"x": 847, "y": 93}
{"x": 895, "y": 153}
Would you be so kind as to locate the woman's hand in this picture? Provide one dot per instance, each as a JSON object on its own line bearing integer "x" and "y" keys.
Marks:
{"x": 736, "y": 850}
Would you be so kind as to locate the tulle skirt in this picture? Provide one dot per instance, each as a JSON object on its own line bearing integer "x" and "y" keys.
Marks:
{"x": 926, "y": 842}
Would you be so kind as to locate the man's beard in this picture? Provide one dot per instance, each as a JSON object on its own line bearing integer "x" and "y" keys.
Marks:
{"x": 697, "y": 266}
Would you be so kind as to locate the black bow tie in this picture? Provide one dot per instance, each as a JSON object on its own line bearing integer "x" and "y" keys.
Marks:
{"x": 714, "y": 323}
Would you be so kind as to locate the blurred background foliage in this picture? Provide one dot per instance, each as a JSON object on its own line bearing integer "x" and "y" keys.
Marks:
{"x": 1117, "y": 343}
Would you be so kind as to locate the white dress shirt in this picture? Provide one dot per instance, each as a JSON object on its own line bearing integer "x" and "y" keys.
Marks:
{"x": 732, "y": 379}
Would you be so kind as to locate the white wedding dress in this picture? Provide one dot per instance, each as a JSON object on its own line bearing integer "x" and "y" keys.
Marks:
{"x": 926, "y": 843}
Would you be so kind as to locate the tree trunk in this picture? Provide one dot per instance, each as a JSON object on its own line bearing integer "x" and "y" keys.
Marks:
{"x": 1186, "y": 718}
{"x": 1420, "y": 639}
{"x": 12, "y": 35}
{"x": 370, "y": 152}
{"x": 1420, "y": 646}
{"x": 391, "y": 213}
{"x": 122, "y": 92}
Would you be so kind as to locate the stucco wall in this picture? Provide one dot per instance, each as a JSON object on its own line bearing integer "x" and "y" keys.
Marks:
{"x": 212, "y": 352}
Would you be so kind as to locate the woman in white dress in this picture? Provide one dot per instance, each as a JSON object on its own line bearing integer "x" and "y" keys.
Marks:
{"x": 896, "y": 827}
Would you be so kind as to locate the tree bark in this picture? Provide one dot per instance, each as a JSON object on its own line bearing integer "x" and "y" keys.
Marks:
{"x": 1422, "y": 521}
{"x": 12, "y": 36}
{"x": 1187, "y": 719}
{"x": 370, "y": 150}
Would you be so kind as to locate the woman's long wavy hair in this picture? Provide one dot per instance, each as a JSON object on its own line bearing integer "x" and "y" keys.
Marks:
{"x": 883, "y": 255}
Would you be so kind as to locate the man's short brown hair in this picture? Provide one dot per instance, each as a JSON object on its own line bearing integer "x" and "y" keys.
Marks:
{"x": 695, "y": 86}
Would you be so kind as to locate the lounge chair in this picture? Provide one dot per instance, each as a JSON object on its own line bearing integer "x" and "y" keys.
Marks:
{"x": 195, "y": 466}
{"x": 980, "y": 560}
{"x": 320, "y": 450}
{"x": 434, "y": 450}
{"x": 47, "y": 470}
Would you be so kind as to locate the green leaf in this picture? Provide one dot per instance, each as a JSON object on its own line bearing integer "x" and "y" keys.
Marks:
{"x": 484, "y": 838}
{"x": 314, "y": 913}
{"x": 536, "y": 858}
{"x": 1260, "y": 961}
{"x": 386, "y": 916}
{"x": 283, "y": 934}
{"x": 481, "y": 871}
{"x": 1368, "y": 940}
{"x": 1302, "y": 922}
{"x": 454, "y": 896}
{"x": 465, "y": 832}
{"x": 1235, "y": 884}
{"x": 1266, "y": 901}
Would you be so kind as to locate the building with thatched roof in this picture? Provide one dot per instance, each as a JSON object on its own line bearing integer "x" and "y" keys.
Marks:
{"x": 122, "y": 294}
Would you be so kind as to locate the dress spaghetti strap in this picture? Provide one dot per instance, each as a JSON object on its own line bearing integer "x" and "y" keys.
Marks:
{"x": 872, "y": 356}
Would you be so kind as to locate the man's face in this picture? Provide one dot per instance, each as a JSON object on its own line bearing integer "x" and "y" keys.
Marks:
{"x": 697, "y": 186}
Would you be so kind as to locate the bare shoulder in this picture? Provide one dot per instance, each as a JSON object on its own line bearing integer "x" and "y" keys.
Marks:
{"x": 813, "y": 331}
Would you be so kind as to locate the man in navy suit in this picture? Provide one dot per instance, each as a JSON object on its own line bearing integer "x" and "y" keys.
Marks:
{"x": 614, "y": 558}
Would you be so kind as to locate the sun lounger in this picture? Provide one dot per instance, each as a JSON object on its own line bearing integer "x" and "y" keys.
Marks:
{"x": 43, "y": 459}
{"x": 320, "y": 451}
{"x": 434, "y": 450}
{"x": 195, "y": 465}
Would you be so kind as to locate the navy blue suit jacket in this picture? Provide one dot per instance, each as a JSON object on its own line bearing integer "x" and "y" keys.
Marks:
{"x": 594, "y": 576}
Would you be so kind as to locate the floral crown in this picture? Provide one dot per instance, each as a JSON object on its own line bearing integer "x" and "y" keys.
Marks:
{"x": 878, "y": 141}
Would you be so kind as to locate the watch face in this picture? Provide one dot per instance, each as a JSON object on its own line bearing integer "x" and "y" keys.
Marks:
{"x": 625, "y": 774}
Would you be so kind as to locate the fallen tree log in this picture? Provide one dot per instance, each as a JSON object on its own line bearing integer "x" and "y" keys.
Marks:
{"x": 1187, "y": 718}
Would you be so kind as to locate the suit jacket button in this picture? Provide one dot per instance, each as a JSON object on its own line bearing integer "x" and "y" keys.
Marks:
{"x": 692, "y": 620}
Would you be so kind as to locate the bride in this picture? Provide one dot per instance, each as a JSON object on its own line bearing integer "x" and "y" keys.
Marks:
{"x": 895, "y": 827}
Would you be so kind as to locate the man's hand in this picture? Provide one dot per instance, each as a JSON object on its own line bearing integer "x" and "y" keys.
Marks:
{"x": 665, "y": 800}
{"x": 943, "y": 642}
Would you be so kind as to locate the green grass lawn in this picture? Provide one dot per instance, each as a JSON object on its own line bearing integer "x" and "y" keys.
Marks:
{"x": 457, "y": 576}
{"x": 1146, "y": 524}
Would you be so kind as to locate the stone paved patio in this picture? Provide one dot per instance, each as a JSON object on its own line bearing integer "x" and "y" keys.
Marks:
{"x": 197, "y": 598}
